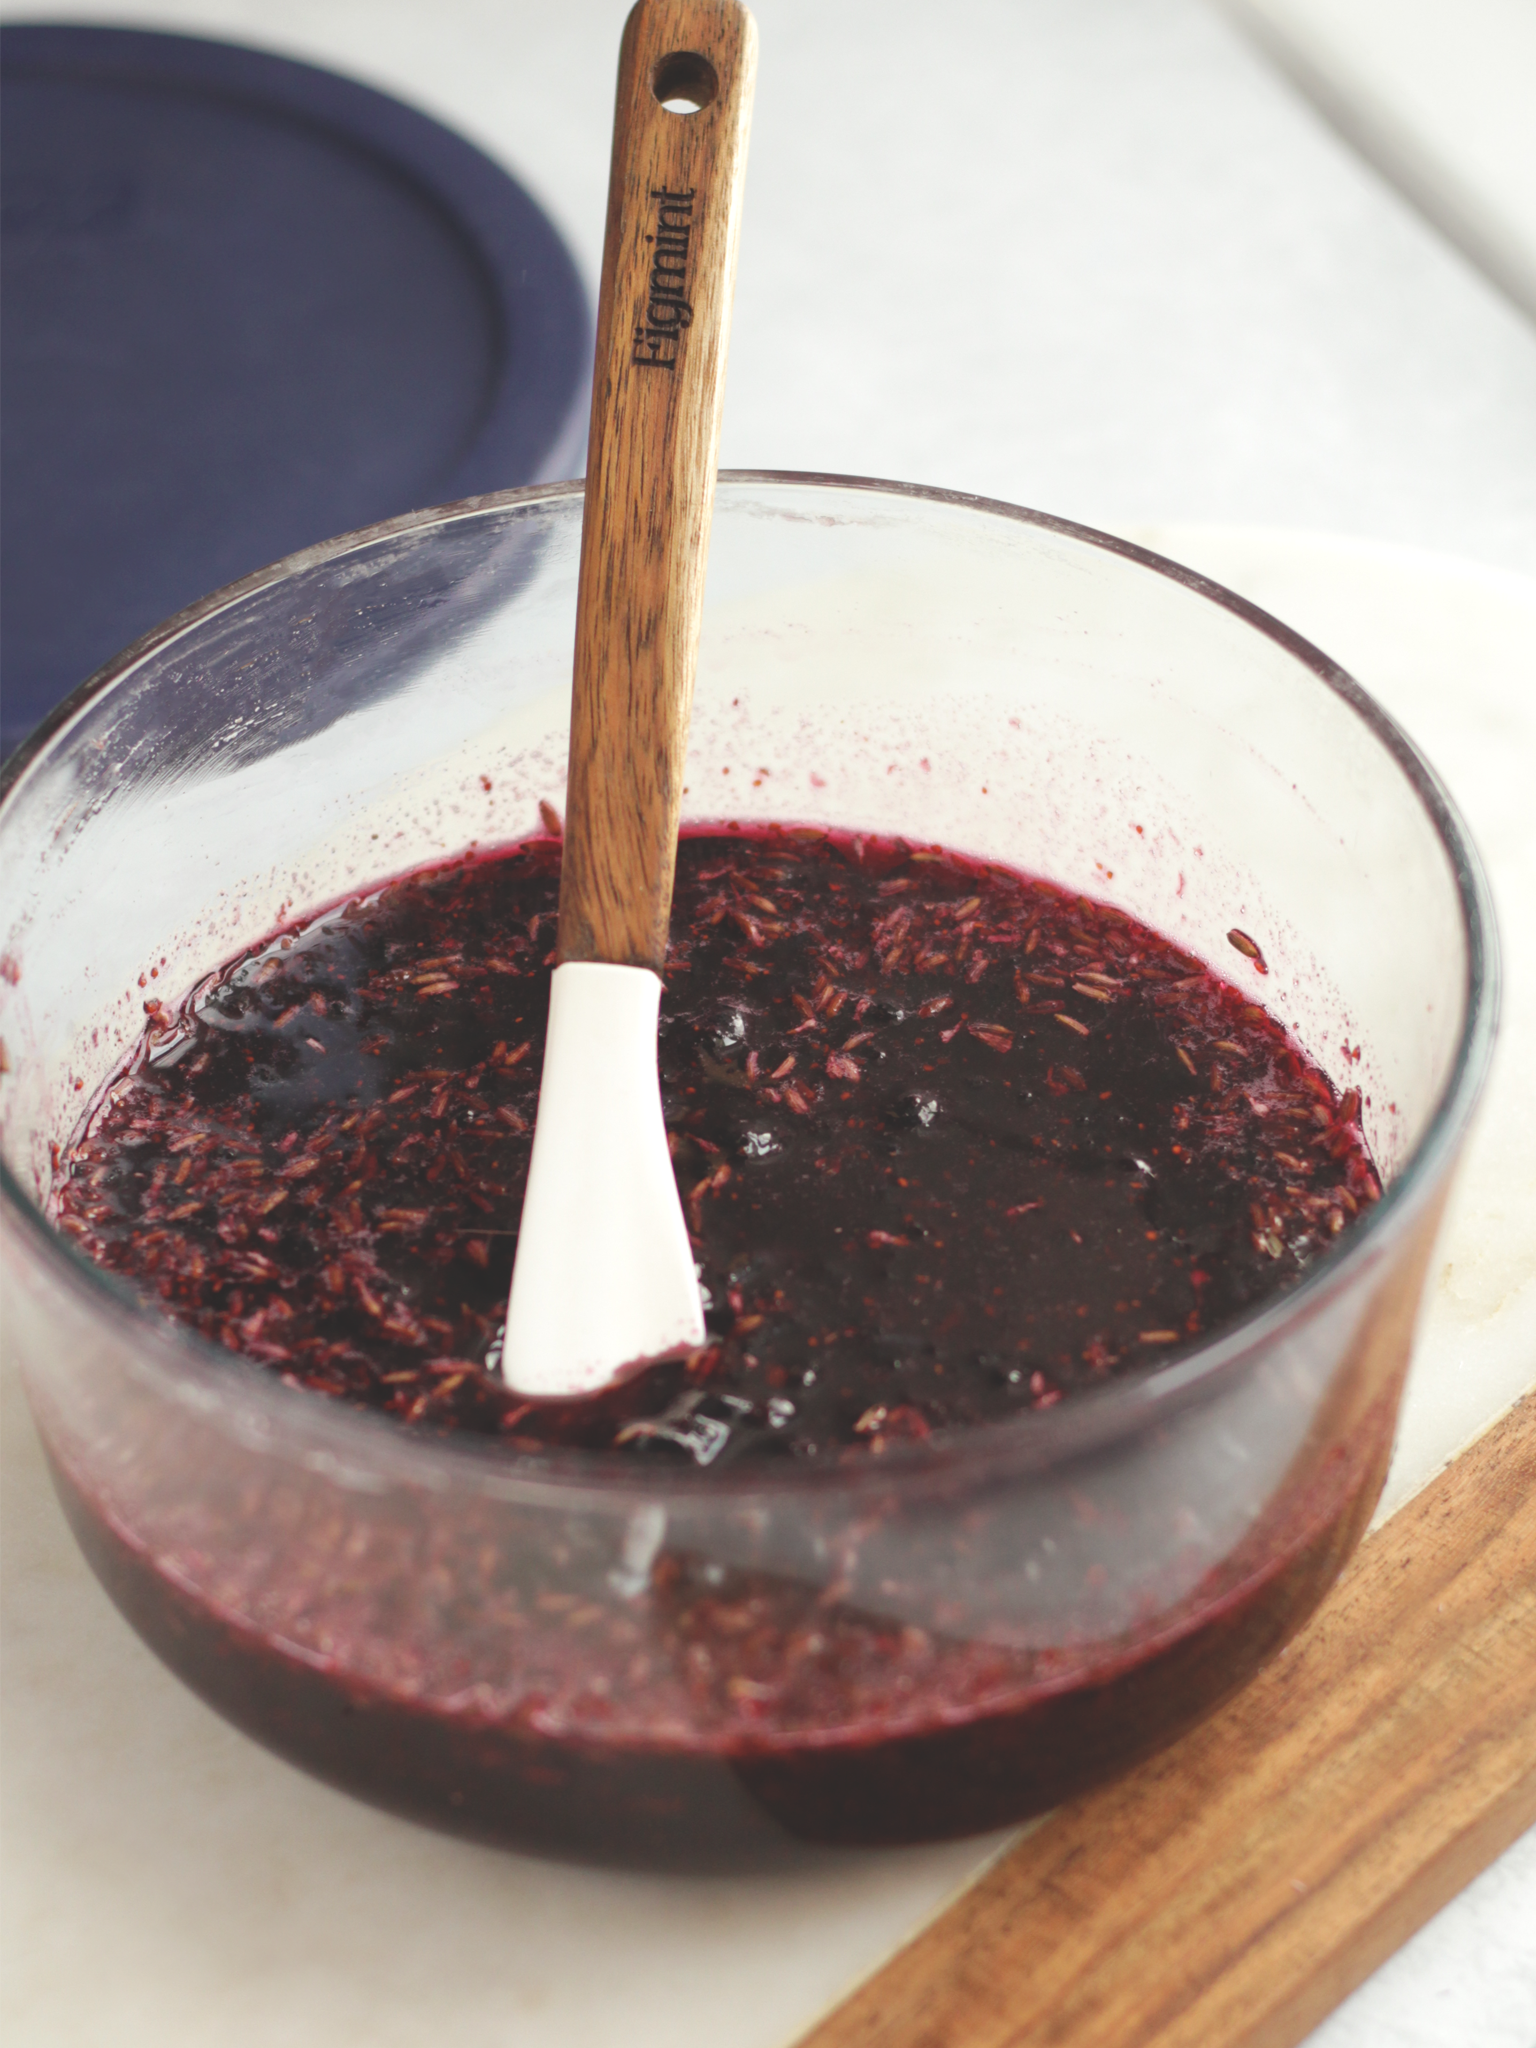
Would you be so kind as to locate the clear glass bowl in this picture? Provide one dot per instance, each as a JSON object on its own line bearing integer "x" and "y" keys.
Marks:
{"x": 571, "y": 1658}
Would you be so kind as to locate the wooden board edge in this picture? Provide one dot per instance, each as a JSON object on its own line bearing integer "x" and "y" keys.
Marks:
{"x": 931, "y": 1993}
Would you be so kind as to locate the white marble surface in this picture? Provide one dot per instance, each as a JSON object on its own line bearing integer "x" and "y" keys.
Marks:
{"x": 1439, "y": 96}
{"x": 1083, "y": 253}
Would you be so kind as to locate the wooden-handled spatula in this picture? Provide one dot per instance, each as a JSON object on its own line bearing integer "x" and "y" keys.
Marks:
{"x": 604, "y": 1276}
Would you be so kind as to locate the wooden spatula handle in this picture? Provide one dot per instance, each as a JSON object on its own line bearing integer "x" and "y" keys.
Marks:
{"x": 663, "y": 321}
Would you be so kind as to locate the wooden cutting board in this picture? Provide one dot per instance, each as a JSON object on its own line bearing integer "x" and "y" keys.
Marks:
{"x": 1232, "y": 1891}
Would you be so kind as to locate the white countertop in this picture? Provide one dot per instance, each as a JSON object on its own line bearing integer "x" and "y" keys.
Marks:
{"x": 1088, "y": 254}
{"x": 1438, "y": 97}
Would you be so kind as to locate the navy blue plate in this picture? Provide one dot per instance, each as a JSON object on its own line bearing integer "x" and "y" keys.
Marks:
{"x": 247, "y": 305}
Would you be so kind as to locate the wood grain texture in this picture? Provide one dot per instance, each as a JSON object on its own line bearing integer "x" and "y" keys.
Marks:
{"x": 663, "y": 324}
{"x": 1229, "y": 1893}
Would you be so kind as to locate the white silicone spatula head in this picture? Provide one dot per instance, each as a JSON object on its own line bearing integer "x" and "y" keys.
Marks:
{"x": 604, "y": 1275}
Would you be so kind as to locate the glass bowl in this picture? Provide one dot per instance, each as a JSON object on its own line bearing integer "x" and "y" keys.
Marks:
{"x": 714, "y": 1670}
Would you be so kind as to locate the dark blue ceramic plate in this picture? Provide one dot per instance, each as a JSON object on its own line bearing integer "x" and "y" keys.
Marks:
{"x": 247, "y": 304}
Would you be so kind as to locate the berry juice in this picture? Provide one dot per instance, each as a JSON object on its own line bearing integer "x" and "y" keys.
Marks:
{"x": 955, "y": 1148}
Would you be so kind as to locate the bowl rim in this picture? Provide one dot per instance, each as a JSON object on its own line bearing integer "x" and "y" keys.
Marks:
{"x": 360, "y": 1447}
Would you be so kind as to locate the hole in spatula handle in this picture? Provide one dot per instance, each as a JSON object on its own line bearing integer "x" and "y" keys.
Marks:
{"x": 684, "y": 82}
